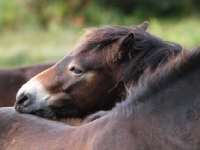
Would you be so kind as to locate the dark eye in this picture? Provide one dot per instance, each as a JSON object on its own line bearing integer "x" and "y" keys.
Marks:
{"x": 75, "y": 71}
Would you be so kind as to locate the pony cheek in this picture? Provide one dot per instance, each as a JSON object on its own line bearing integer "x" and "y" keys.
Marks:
{"x": 59, "y": 99}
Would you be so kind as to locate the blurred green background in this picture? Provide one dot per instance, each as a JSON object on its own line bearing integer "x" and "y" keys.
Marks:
{"x": 36, "y": 31}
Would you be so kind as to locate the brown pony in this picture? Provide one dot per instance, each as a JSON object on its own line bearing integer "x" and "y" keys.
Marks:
{"x": 12, "y": 79}
{"x": 162, "y": 113}
{"x": 94, "y": 75}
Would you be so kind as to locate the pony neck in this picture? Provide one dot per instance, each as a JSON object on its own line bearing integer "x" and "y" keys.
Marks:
{"x": 166, "y": 119}
{"x": 164, "y": 109}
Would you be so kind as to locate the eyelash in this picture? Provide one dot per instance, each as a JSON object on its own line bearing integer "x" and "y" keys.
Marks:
{"x": 76, "y": 71}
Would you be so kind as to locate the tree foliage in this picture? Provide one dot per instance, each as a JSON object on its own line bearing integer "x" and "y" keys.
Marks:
{"x": 44, "y": 13}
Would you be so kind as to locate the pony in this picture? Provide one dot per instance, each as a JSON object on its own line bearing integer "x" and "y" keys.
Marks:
{"x": 13, "y": 78}
{"x": 161, "y": 112}
{"x": 93, "y": 76}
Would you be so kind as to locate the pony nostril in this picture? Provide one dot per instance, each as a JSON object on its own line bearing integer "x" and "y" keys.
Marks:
{"x": 23, "y": 100}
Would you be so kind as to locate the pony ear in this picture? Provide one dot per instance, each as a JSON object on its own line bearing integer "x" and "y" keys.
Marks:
{"x": 144, "y": 26}
{"x": 120, "y": 48}
{"x": 125, "y": 44}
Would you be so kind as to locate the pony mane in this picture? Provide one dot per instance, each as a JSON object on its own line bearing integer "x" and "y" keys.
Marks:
{"x": 178, "y": 67}
{"x": 152, "y": 83}
{"x": 147, "y": 51}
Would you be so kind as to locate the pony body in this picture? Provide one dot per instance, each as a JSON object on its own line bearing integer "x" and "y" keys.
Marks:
{"x": 162, "y": 112}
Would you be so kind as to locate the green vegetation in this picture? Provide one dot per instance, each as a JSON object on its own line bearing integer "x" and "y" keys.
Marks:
{"x": 30, "y": 47}
{"x": 35, "y": 31}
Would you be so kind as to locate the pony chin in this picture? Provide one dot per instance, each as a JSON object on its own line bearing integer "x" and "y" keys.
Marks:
{"x": 40, "y": 109}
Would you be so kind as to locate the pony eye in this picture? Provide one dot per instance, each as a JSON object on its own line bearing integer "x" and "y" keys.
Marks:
{"x": 75, "y": 71}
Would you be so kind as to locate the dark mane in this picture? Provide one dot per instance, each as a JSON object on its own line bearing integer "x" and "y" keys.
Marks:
{"x": 148, "y": 50}
{"x": 152, "y": 84}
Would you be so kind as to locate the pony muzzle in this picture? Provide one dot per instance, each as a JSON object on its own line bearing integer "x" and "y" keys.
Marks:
{"x": 30, "y": 97}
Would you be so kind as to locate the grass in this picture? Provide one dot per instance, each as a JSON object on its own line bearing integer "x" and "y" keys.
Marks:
{"x": 26, "y": 47}
{"x": 30, "y": 47}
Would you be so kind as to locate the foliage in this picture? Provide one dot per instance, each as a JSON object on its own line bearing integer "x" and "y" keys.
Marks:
{"x": 36, "y": 13}
{"x": 149, "y": 8}
{"x": 44, "y": 14}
